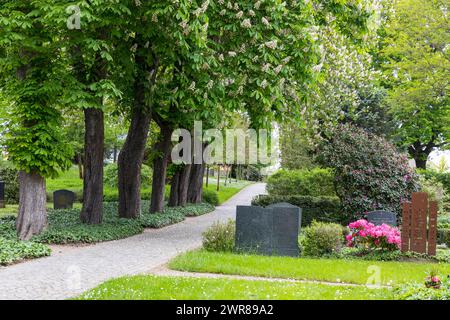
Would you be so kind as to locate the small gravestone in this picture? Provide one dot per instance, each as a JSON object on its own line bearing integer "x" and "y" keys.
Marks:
{"x": 63, "y": 199}
{"x": 2, "y": 194}
{"x": 269, "y": 231}
{"x": 380, "y": 217}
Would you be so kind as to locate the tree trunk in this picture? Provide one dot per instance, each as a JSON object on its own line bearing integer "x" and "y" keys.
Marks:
{"x": 160, "y": 169}
{"x": 195, "y": 192}
{"x": 420, "y": 163}
{"x": 80, "y": 166}
{"x": 130, "y": 164}
{"x": 174, "y": 188}
{"x": 207, "y": 176}
{"x": 32, "y": 218}
{"x": 218, "y": 178}
{"x": 184, "y": 185}
{"x": 92, "y": 211}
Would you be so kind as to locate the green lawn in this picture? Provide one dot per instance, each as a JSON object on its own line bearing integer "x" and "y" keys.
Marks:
{"x": 226, "y": 192}
{"x": 332, "y": 270}
{"x": 179, "y": 288}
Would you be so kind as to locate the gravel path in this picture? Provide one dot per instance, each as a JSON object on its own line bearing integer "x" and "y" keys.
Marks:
{"x": 74, "y": 270}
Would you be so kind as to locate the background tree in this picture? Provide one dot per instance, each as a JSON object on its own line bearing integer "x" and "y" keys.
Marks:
{"x": 416, "y": 53}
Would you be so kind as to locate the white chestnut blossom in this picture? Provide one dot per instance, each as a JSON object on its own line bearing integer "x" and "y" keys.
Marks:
{"x": 239, "y": 14}
{"x": 246, "y": 24}
{"x": 232, "y": 54}
{"x": 264, "y": 84}
{"x": 271, "y": 44}
{"x": 251, "y": 13}
{"x": 265, "y": 21}
{"x": 257, "y": 5}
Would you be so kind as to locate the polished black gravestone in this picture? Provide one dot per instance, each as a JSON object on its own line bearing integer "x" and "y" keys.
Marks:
{"x": 63, "y": 199}
{"x": 380, "y": 217}
{"x": 2, "y": 194}
{"x": 272, "y": 230}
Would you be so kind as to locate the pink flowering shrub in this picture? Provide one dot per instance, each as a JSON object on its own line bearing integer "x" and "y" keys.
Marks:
{"x": 364, "y": 233}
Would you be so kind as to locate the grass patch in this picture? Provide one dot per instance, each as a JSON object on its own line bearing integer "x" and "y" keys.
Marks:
{"x": 226, "y": 192}
{"x": 179, "y": 288}
{"x": 332, "y": 270}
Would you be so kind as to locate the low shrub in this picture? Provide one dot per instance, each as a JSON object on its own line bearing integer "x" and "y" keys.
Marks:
{"x": 9, "y": 175}
{"x": 325, "y": 209}
{"x": 442, "y": 177}
{"x": 443, "y": 236}
{"x": 13, "y": 251}
{"x": 423, "y": 291}
{"x": 195, "y": 210}
{"x": 305, "y": 182}
{"x": 436, "y": 192}
{"x": 211, "y": 197}
{"x": 367, "y": 235}
{"x": 220, "y": 237}
{"x": 321, "y": 238}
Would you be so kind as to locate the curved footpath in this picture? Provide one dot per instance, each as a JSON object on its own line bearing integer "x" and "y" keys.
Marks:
{"x": 77, "y": 269}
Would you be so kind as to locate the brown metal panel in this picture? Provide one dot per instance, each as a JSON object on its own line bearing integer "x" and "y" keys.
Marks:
{"x": 419, "y": 222}
{"x": 406, "y": 226}
{"x": 432, "y": 228}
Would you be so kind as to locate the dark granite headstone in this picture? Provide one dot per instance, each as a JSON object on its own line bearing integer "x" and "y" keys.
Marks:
{"x": 2, "y": 194}
{"x": 269, "y": 231}
{"x": 380, "y": 217}
{"x": 63, "y": 199}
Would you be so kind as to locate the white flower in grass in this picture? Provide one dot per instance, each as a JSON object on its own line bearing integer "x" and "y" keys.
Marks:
{"x": 265, "y": 21}
{"x": 246, "y": 24}
{"x": 239, "y": 14}
{"x": 232, "y": 54}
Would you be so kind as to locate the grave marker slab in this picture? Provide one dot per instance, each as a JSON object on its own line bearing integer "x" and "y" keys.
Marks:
{"x": 63, "y": 199}
{"x": 269, "y": 231}
{"x": 379, "y": 217}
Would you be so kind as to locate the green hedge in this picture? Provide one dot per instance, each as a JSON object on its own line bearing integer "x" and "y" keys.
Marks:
{"x": 443, "y": 236}
{"x": 316, "y": 182}
{"x": 325, "y": 209}
{"x": 9, "y": 175}
{"x": 442, "y": 177}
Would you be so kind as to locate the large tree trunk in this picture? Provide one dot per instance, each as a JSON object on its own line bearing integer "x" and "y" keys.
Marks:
{"x": 130, "y": 163}
{"x": 32, "y": 218}
{"x": 179, "y": 187}
{"x": 160, "y": 169}
{"x": 92, "y": 211}
{"x": 420, "y": 152}
{"x": 184, "y": 185}
{"x": 195, "y": 192}
{"x": 80, "y": 165}
{"x": 420, "y": 163}
{"x": 174, "y": 187}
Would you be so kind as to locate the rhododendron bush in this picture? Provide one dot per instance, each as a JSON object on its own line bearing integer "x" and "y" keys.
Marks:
{"x": 366, "y": 234}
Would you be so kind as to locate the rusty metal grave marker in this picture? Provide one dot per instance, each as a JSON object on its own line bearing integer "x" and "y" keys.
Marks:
{"x": 419, "y": 226}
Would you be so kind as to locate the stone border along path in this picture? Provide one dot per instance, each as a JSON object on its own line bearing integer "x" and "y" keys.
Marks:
{"x": 75, "y": 270}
